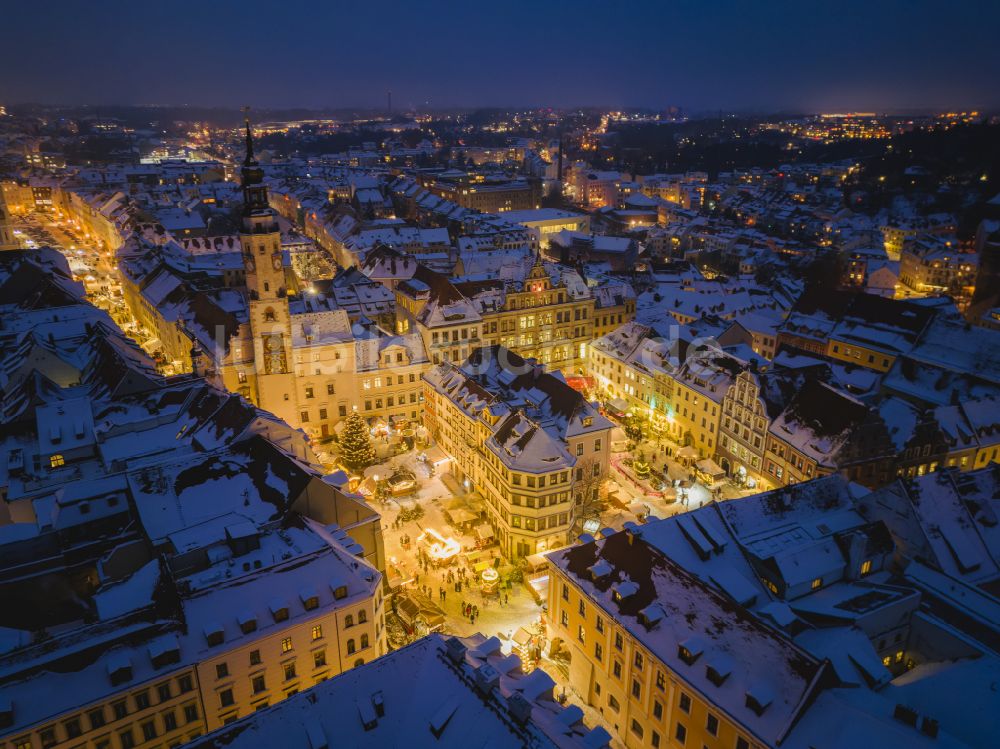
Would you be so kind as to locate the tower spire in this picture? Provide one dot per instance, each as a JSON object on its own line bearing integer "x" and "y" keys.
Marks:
{"x": 249, "y": 160}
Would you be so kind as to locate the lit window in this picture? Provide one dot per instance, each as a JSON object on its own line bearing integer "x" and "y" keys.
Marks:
{"x": 286, "y": 644}
{"x": 57, "y": 460}
{"x": 317, "y": 632}
{"x": 866, "y": 566}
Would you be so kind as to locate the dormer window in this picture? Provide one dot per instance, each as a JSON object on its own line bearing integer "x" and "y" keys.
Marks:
{"x": 248, "y": 623}
{"x": 758, "y": 699}
{"x": 279, "y": 611}
{"x": 214, "y": 635}
{"x": 716, "y": 676}
{"x": 119, "y": 670}
{"x": 690, "y": 650}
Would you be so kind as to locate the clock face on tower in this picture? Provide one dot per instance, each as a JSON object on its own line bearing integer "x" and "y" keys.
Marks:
{"x": 276, "y": 260}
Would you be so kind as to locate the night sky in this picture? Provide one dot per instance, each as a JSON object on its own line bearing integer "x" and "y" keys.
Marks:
{"x": 882, "y": 55}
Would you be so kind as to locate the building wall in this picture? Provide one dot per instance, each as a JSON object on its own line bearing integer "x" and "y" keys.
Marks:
{"x": 642, "y": 701}
{"x": 184, "y": 703}
{"x": 529, "y": 512}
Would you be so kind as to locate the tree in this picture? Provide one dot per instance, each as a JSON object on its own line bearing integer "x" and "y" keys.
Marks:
{"x": 587, "y": 483}
{"x": 356, "y": 450}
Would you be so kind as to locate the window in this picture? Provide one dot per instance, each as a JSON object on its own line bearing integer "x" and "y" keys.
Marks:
{"x": 289, "y": 669}
{"x": 56, "y": 461}
{"x": 565, "y": 592}
{"x": 169, "y": 721}
{"x": 286, "y": 644}
{"x": 597, "y": 446}
{"x": 613, "y": 703}
{"x": 866, "y": 567}
{"x": 636, "y": 728}
{"x": 340, "y": 592}
{"x": 581, "y": 633}
{"x": 319, "y": 659}
{"x": 685, "y": 703}
{"x": 142, "y": 700}
{"x": 73, "y": 728}
{"x": 163, "y": 692}
{"x": 329, "y": 388}
{"x": 619, "y": 642}
{"x": 657, "y": 709}
{"x": 636, "y": 689}
{"x": 638, "y": 661}
{"x": 817, "y": 583}
{"x": 712, "y": 725}
{"x": 582, "y": 608}
{"x": 185, "y": 684}
{"x": 654, "y": 739}
{"x": 351, "y": 646}
{"x": 221, "y": 670}
{"x": 564, "y": 619}
{"x": 598, "y": 651}
{"x": 96, "y": 718}
{"x": 661, "y": 681}
{"x": 190, "y": 713}
{"x": 46, "y": 735}
{"x": 120, "y": 709}
{"x": 127, "y": 739}
{"x": 680, "y": 733}
{"x": 226, "y": 698}
{"x": 617, "y": 670}
{"x": 742, "y": 743}
{"x": 348, "y": 621}
{"x": 317, "y": 632}
{"x": 254, "y": 657}
{"x": 257, "y": 684}
{"x": 600, "y": 624}
{"x": 148, "y": 730}
{"x": 362, "y": 616}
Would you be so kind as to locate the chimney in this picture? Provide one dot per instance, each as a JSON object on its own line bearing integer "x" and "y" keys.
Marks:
{"x": 519, "y": 708}
{"x": 487, "y": 678}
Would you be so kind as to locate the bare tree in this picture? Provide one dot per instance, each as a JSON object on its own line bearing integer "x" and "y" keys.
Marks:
{"x": 587, "y": 501}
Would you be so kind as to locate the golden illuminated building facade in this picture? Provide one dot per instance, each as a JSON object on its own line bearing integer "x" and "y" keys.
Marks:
{"x": 524, "y": 439}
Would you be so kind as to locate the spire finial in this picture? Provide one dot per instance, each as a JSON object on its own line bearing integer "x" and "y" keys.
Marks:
{"x": 249, "y": 136}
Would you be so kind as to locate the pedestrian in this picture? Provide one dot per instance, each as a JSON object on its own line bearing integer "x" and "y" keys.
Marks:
{"x": 506, "y": 598}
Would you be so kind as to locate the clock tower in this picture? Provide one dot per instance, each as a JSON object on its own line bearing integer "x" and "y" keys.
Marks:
{"x": 270, "y": 320}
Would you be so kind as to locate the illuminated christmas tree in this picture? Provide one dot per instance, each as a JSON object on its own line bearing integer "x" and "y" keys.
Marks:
{"x": 356, "y": 450}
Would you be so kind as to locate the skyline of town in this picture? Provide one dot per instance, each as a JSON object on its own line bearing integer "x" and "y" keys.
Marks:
{"x": 411, "y": 424}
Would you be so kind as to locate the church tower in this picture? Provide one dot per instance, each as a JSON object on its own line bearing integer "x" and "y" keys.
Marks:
{"x": 7, "y": 241}
{"x": 270, "y": 320}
